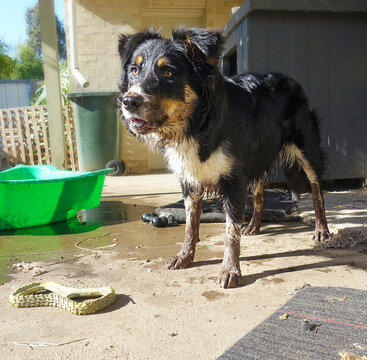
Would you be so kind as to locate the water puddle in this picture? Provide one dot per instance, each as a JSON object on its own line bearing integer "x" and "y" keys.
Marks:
{"x": 91, "y": 229}
{"x": 113, "y": 226}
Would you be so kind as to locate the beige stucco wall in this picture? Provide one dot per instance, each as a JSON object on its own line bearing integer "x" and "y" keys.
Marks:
{"x": 99, "y": 22}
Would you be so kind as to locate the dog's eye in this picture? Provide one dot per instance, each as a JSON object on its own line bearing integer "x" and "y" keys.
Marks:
{"x": 134, "y": 70}
{"x": 168, "y": 74}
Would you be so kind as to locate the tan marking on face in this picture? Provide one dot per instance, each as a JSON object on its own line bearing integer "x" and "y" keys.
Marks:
{"x": 139, "y": 60}
{"x": 177, "y": 112}
{"x": 162, "y": 62}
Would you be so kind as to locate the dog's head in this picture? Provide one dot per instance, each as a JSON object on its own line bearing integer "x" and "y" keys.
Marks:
{"x": 162, "y": 80}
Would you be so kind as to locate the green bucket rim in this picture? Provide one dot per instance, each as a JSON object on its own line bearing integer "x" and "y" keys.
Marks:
{"x": 79, "y": 175}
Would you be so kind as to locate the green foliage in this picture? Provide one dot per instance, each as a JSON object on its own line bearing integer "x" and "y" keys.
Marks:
{"x": 27, "y": 64}
{"x": 34, "y": 32}
{"x": 6, "y": 67}
{"x": 6, "y": 63}
{"x": 4, "y": 48}
{"x": 41, "y": 95}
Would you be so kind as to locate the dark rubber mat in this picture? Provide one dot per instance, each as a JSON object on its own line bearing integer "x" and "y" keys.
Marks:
{"x": 321, "y": 323}
{"x": 278, "y": 207}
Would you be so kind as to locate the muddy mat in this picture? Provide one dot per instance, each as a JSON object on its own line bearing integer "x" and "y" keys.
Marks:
{"x": 278, "y": 207}
{"x": 317, "y": 323}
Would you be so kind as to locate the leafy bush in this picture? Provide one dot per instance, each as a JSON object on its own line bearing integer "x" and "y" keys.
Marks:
{"x": 6, "y": 63}
{"x": 41, "y": 94}
{"x": 27, "y": 64}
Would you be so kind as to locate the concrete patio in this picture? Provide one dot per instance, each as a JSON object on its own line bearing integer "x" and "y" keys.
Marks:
{"x": 162, "y": 314}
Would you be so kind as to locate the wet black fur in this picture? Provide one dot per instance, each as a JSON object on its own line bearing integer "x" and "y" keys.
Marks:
{"x": 254, "y": 115}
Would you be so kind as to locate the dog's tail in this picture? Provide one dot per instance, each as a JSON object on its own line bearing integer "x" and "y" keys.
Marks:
{"x": 322, "y": 159}
{"x": 296, "y": 180}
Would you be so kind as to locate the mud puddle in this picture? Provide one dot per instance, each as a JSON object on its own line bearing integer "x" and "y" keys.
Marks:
{"x": 91, "y": 229}
{"x": 114, "y": 226}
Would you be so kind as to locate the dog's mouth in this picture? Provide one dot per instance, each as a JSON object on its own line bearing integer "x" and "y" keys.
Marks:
{"x": 138, "y": 123}
{"x": 140, "y": 126}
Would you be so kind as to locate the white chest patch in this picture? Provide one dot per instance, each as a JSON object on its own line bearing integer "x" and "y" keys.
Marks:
{"x": 184, "y": 161}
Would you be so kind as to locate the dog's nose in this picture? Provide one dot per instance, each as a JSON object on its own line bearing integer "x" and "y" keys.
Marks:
{"x": 132, "y": 103}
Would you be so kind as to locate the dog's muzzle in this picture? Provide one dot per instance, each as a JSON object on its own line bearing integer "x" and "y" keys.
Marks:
{"x": 133, "y": 103}
{"x": 133, "y": 108}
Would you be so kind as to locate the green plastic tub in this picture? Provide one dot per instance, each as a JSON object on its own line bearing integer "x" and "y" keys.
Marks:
{"x": 41, "y": 194}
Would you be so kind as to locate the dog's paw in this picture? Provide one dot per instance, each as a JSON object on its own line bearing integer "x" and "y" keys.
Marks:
{"x": 251, "y": 230}
{"x": 321, "y": 235}
{"x": 229, "y": 279}
{"x": 178, "y": 262}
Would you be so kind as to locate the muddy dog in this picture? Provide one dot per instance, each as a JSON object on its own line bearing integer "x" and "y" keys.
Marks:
{"x": 218, "y": 134}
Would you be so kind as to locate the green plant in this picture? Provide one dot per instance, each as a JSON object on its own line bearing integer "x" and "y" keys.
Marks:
{"x": 41, "y": 94}
{"x": 6, "y": 63}
{"x": 27, "y": 64}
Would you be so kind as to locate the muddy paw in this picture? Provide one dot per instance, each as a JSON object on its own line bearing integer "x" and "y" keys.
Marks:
{"x": 178, "y": 262}
{"x": 229, "y": 279}
{"x": 321, "y": 235}
{"x": 251, "y": 230}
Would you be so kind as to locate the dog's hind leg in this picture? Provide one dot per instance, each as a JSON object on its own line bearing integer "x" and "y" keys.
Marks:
{"x": 258, "y": 196}
{"x": 234, "y": 205}
{"x": 193, "y": 210}
{"x": 321, "y": 228}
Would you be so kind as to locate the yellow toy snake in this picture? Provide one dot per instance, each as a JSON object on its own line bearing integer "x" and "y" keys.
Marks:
{"x": 49, "y": 293}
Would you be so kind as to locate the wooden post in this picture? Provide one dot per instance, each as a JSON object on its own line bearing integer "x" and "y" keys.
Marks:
{"x": 52, "y": 79}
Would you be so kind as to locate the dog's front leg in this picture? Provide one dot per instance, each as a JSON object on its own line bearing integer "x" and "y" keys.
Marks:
{"x": 230, "y": 273}
{"x": 193, "y": 210}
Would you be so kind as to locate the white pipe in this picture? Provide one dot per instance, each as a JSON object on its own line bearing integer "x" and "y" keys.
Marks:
{"x": 73, "y": 49}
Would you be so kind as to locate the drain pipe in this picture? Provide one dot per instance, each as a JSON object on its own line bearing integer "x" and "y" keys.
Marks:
{"x": 73, "y": 50}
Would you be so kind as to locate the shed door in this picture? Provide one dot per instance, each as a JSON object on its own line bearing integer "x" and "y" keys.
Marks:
{"x": 166, "y": 20}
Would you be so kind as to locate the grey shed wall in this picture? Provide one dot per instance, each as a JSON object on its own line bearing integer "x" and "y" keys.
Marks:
{"x": 14, "y": 93}
{"x": 326, "y": 51}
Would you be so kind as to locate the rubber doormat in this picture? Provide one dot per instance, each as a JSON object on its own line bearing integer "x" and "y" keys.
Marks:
{"x": 316, "y": 324}
{"x": 278, "y": 207}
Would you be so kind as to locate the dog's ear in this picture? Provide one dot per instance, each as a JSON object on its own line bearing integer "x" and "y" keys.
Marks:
{"x": 126, "y": 47}
{"x": 127, "y": 44}
{"x": 204, "y": 46}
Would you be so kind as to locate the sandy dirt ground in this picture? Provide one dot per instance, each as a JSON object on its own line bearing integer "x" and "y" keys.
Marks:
{"x": 162, "y": 314}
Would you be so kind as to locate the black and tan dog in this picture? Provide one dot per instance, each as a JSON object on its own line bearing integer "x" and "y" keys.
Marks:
{"x": 218, "y": 134}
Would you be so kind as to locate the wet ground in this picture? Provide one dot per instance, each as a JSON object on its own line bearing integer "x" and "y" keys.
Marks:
{"x": 161, "y": 314}
{"x": 92, "y": 229}
{"x": 116, "y": 225}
